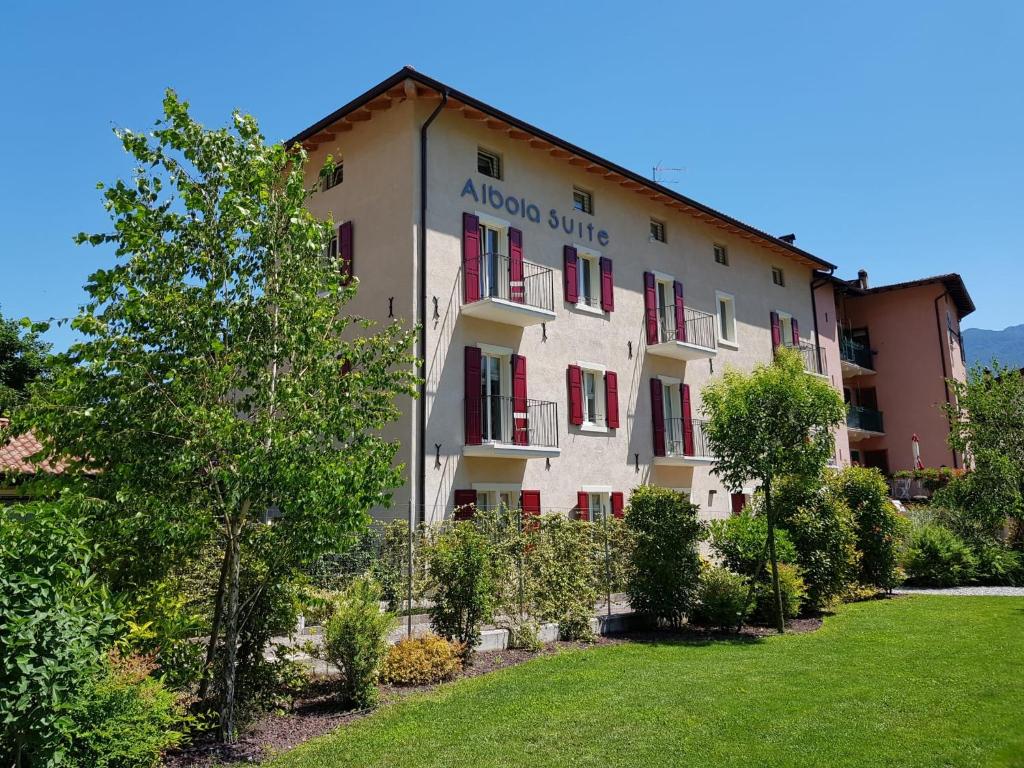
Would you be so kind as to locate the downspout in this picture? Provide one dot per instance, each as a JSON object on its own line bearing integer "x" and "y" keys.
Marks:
{"x": 421, "y": 410}
{"x": 815, "y": 284}
{"x": 942, "y": 356}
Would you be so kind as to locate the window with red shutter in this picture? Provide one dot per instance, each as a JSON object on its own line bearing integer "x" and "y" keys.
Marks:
{"x": 529, "y": 502}
{"x": 796, "y": 332}
{"x": 474, "y": 423}
{"x": 677, "y": 290}
{"x": 658, "y": 417}
{"x": 515, "y": 265}
{"x": 738, "y": 501}
{"x": 465, "y": 504}
{"x": 574, "y": 376}
{"x": 617, "y": 504}
{"x": 520, "y": 424}
{"x": 607, "y": 285}
{"x": 346, "y": 264}
{"x": 611, "y": 399}
{"x": 684, "y": 396}
{"x": 776, "y": 330}
{"x": 650, "y": 308}
{"x": 571, "y": 264}
{"x": 582, "y": 505}
{"x": 470, "y": 257}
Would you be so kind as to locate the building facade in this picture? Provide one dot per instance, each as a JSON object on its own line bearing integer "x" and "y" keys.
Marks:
{"x": 571, "y": 310}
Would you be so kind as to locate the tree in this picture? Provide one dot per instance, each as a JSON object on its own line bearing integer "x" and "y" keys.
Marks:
{"x": 219, "y": 378}
{"x": 23, "y": 359}
{"x": 772, "y": 422}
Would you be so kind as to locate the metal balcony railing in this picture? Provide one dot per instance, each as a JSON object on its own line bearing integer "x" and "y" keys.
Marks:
{"x": 866, "y": 419}
{"x": 699, "y": 327}
{"x": 854, "y": 352}
{"x": 501, "y": 422}
{"x": 814, "y": 358}
{"x": 686, "y": 438}
{"x": 535, "y": 289}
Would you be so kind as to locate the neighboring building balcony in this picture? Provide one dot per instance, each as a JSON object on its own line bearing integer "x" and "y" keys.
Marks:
{"x": 855, "y": 358}
{"x": 814, "y": 359}
{"x": 685, "y": 443}
{"x": 511, "y": 427}
{"x": 510, "y": 291}
{"x": 863, "y": 423}
{"x": 693, "y": 339}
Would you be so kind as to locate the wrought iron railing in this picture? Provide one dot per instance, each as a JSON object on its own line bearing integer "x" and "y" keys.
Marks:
{"x": 854, "y": 352}
{"x": 534, "y": 289}
{"x": 866, "y": 419}
{"x": 501, "y": 421}
{"x": 814, "y": 358}
{"x": 685, "y": 437}
{"x": 699, "y": 327}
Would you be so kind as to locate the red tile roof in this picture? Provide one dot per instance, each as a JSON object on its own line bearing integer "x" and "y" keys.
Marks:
{"x": 14, "y": 456}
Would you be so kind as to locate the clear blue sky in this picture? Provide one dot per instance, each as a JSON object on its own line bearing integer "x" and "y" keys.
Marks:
{"x": 888, "y": 135}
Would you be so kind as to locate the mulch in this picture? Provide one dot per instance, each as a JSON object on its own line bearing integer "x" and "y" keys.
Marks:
{"x": 317, "y": 711}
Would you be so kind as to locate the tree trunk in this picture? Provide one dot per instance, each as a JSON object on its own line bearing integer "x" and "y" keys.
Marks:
{"x": 231, "y": 626}
{"x": 780, "y": 619}
{"x": 218, "y": 614}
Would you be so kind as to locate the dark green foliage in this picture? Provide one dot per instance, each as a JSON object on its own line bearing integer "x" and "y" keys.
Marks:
{"x": 937, "y": 557}
{"x": 793, "y": 590}
{"x": 464, "y": 589}
{"x": 740, "y": 540}
{"x": 23, "y": 359}
{"x": 976, "y": 505}
{"x": 356, "y": 641}
{"x": 879, "y": 527}
{"x": 562, "y": 568}
{"x": 723, "y": 599}
{"x": 55, "y": 624}
{"x": 999, "y": 565}
{"x": 665, "y": 566}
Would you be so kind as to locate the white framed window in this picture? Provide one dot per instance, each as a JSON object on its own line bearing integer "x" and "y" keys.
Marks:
{"x": 778, "y": 276}
{"x": 658, "y": 230}
{"x": 334, "y": 178}
{"x": 671, "y": 403}
{"x": 594, "y": 417}
{"x": 726, "y": 305}
{"x": 786, "y": 328}
{"x": 721, "y": 254}
{"x": 666, "y": 295}
{"x": 488, "y": 163}
{"x": 582, "y": 200}
{"x": 493, "y": 256}
{"x": 588, "y": 279}
{"x": 495, "y": 394}
{"x": 599, "y": 504}
{"x": 497, "y": 495}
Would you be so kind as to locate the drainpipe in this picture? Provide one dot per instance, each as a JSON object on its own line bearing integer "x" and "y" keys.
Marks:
{"x": 942, "y": 357}
{"x": 815, "y": 284}
{"x": 421, "y": 408}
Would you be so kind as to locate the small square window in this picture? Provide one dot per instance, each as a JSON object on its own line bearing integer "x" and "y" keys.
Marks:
{"x": 335, "y": 177}
{"x": 721, "y": 255}
{"x": 658, "y": 230}
{"x": 488, "y": 163}
{"x": 582, "y": 200}
{"x": 778, "y": 277}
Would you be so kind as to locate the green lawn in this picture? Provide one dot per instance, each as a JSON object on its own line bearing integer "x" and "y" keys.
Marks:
{"x": 922, "y": 681}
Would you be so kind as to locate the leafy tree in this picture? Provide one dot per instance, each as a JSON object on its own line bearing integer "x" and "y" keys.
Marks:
{"x": 772, "y": 422}
{"x": 461, "y": 569}
{"x": 23, "y": 359}
{"x": 219, "y": 378}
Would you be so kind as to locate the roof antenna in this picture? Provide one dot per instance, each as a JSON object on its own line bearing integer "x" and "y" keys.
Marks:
{"x": 658, "y": 174}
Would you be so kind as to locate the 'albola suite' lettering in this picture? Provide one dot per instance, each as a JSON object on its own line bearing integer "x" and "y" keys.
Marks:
{"x": 518, "y": 206}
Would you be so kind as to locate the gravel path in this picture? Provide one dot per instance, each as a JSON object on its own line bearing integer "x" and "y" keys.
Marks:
{"x": 966, "y": 591}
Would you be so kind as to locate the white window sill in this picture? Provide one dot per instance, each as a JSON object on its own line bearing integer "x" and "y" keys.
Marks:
{"x": 590, "y": 310}
{"x": 592, "y": 427}
{"x": 728, "y": 344}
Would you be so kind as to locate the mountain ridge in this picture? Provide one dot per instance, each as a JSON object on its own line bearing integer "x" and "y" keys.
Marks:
{"x": 1006, "y": 346}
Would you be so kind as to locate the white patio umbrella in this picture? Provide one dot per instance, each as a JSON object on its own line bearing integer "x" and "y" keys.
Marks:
{"x": 916, "y": 445}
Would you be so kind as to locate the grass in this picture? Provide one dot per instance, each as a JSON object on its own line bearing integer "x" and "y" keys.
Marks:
{"x": 921, "y": 681}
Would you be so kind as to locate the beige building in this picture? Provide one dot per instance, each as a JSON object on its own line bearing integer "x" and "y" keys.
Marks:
{"x": 572, "y": 310}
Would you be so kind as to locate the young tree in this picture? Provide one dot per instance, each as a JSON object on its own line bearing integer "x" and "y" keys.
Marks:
{"x": 775, "y": 421}
{"x": 23, "y": 359}
{"x": 218, "y": 377}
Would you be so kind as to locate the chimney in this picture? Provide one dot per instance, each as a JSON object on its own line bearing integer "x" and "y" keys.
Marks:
{"x": 790, "y": 238}
{"x": 862, "y": 279}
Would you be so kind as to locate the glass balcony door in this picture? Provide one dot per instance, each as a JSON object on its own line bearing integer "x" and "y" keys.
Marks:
{"x": 491, "y": 261}
{"x": 496, "y": 410}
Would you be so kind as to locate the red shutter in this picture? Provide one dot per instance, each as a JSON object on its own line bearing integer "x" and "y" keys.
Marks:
{"x": 617, "y": 504}
{"x": 572, "y": 286}
{"x": 607, "y": 285}
{"x": 650, "y": 308}
{"x": 684, "y": 396}
{"x": 529, "y": 503}
{"x": 470, "y": 257}
{"x": 677, "y": 289}
{"x": 575, "y": 378}
{"x": 776, "y": 331}
{"x": 796, "y": 333}
{"x": 582, "y": 505}
{"x": 474, "y": 421}
{"x": 738, "y": 502}
{"x": 345, "y": 263}
{"x": 520, "y": 424}
{"x": 611, "y": 399}
{"x": 465, "y": 504}
{"x": 657, "y": 417}
{"x": 516, "y": 291}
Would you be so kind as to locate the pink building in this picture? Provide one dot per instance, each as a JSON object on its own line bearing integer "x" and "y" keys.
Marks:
{"x": 899, "y": 344}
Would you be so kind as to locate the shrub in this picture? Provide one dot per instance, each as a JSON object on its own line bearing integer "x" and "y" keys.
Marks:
{"x": 976, "y": 505}
{"x": 741, "y": 542}
{"x": 561, "y": 575}
{"x": 999, "y": 565}
{"x": 125, "y": 718}
{"x": 879, "y": 527}
{"x": 722, "y": 599}
{"x": 421, "y": 661}
{"x": 937, "y": 557}
{"x": 665, "y": 566}
{"x": 462, "y": 582}
{"x": 356, "y": 640}
{"x": 793, "y": 591}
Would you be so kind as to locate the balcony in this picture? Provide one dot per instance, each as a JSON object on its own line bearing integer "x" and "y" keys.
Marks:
{"x": 863, "y": 423}
{"x": 685, "y": 443}
{"x": 498, "y": 294}
{"x": 694, "y": 341}
{"x": 814, "y": 359}
{"x": 855, "y": 358}
{"x": 496, "y": 427}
